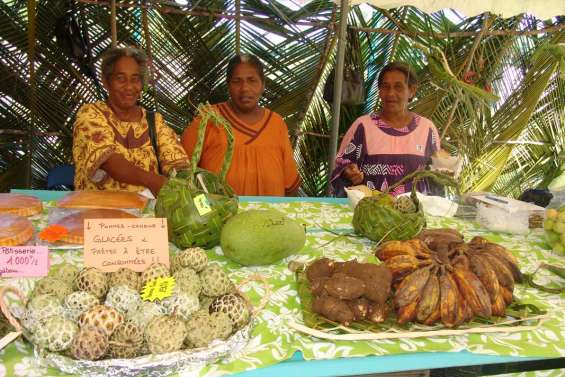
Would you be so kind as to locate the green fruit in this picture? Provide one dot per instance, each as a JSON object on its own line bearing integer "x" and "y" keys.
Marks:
{"x": 552, "y": 237}
{"x": 551, "y": 213}
{"x": 562, "y": 239}
{"x": 259, "y": 237}
{"x": 561, "y": 216}
{"x": 558, "y": 248}
{"x": 548, "y": 224}
{"x": 559, "y": 227}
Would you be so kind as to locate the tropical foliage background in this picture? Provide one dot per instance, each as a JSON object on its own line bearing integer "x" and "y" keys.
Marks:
{"x": 511, "y": 141}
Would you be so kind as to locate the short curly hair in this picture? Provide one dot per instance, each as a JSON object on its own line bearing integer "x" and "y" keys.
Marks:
{"x": 111, "y": 56}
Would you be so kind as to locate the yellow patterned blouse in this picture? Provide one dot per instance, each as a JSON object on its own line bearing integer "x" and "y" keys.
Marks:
{"x": 98, "y": 133}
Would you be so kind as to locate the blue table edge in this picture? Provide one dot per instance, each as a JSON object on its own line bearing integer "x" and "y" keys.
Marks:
{"x": 350, "y": 365}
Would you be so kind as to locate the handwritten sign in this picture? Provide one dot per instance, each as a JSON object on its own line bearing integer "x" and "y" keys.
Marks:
{"x": 24, "y": 261}
{"x": 158, "y": 289}
{"x": 110, "y": 244}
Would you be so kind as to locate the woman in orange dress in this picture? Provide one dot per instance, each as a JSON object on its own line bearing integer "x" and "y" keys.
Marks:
{"x": 112, "y": 149}
{"x": 263, "y": 162}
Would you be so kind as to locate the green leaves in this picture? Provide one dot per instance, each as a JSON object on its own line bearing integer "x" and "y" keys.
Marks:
{"x": 510, "y": 137}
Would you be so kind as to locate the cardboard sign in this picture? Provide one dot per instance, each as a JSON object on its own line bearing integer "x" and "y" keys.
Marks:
{"x": 23, "y": 261}
{"x": 110, "y": 244}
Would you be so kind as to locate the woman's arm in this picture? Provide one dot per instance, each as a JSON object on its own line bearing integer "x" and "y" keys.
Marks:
{"x": 351, "y": 152}
{"x": 124, "y": 171}
{"x": 171, "y": 152}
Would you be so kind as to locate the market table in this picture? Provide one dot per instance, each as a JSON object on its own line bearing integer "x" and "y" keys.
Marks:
{"x": 276, "y": 350}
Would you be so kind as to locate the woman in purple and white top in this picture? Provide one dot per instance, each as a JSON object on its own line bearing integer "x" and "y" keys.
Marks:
{"x": 379, "y": 149}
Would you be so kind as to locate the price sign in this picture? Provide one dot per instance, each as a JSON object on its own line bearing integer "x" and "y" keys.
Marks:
{"x": 158, "y": 289}
{"x": 110, "y": 244}
{"x": 24, "y": 261}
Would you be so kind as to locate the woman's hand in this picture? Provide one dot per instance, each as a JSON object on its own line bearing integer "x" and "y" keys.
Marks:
{"x": 353, "y": 174}
{"x": 155, "y": 183}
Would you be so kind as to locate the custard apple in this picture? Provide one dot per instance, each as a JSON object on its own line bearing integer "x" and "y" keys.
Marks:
{"x": 200, "y": 331}
{"x": 154, "y": 271}
{"x": 205, "y": 301}
{"x": 234, "y": 306}
{"x": 165, "y": 334}
{"x": 215, "y": 281}
{"x": 66, "y": 272}
{"x": 77, "y": 303}
{"x": 193, "y": 257}
{"x": 181, "y": 304}
{"x": 187, "y": 280}
{"x": 222, "y": 325}
{"x": 405, "y": 204}
{"x": 125, "y": 276}
{"x": 55, "y": 333}
{"x": 122, "y": 298}
{"x": 40, "y": 307}
{"x": 101, "y": 317}
{"x": 92, "y": 280}
{"x": 90, "y": 343}
{"x": 52, "y": 285}
{"x": 145, "y": 313}
{"x": 126, "y": 341}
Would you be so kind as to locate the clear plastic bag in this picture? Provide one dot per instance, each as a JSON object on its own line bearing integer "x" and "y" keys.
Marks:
{"x": 499, "y": 220}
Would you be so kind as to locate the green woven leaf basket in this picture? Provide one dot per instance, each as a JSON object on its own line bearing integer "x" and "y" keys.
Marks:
{"x": 198, "y": 202}
{"x": 376, "y": 218}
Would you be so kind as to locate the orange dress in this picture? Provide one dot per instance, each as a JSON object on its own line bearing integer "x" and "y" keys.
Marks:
{"x": 262, "y": 163}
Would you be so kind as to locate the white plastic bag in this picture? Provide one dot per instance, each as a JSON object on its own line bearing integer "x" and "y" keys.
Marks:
{"x": 501, "y": 220}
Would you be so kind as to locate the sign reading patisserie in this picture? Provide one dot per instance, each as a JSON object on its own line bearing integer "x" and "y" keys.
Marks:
{"x": 24, "y": 261}
{"x": 110, "y": 244}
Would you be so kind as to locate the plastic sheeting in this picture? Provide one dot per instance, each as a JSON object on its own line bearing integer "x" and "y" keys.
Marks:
{"x": 542, "y": 9}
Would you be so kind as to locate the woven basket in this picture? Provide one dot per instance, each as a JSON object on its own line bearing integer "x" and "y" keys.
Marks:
{"x": 198, "y": 202}
{"x": 382, "y": 222}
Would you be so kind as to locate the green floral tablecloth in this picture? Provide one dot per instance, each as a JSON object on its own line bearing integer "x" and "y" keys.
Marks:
{"x": 273, "y": 341}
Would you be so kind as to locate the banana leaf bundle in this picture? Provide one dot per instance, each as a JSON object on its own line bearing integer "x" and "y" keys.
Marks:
{"x": 377, "y": 218}
{"x": 198, "y": 202}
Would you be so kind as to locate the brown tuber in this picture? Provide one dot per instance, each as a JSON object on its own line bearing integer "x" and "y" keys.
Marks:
{"x": 323, "y": 267}
{"x": 344, "y": 287}
{"x": 360, "y": 308}
{"x": 362, "y": 288}
{"x": 333, "y": 309}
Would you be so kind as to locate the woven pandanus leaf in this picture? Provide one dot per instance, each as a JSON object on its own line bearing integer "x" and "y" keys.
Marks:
{"x": 379, "y": 221}
{"x": 181, "y": 199}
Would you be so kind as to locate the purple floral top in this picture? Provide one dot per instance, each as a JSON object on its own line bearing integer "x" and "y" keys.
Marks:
{"x": 385, "y": 154}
